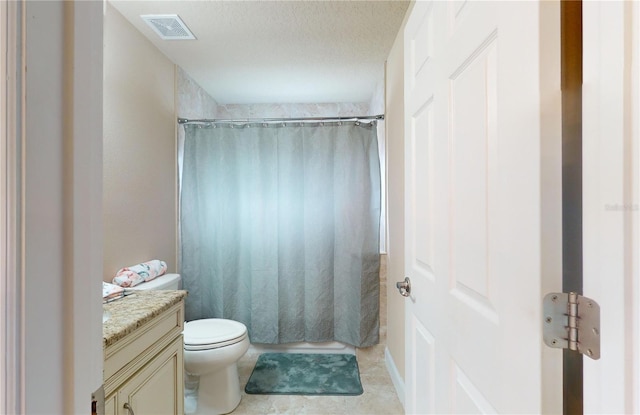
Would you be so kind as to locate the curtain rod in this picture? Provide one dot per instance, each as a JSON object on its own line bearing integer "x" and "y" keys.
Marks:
{"x": 271, "y": 120}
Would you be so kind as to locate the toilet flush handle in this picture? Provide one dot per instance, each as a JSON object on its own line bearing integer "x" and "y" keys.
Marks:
{"x": 129, "y": 408}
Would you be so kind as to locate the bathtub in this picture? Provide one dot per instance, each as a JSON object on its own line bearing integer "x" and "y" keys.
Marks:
{"x": 303, "y": 347}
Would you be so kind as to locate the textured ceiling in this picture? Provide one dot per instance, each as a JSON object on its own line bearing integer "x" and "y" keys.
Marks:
{"x": 279, "y": 51}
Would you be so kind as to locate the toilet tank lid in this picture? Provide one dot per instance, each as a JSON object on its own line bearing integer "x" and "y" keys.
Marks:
{"x": 212, "y": 331}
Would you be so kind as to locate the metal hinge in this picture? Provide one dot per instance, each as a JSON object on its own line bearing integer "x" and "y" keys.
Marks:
{"x": 572, "y": 322}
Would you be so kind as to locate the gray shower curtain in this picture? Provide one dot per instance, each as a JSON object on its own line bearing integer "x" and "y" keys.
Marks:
{"x": 279, "y": 229}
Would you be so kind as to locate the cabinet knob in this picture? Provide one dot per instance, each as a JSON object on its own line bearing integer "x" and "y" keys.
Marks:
{"x": 129, "y": 408}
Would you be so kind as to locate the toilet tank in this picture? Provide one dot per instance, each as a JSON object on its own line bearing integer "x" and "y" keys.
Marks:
{"x": 163, "y": 282}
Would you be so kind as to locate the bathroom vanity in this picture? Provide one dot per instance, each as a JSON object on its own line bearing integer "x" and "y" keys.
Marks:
{"x": 143, "y": 354}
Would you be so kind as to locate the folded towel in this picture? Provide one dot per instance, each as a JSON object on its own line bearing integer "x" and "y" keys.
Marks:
{"x": 136, "y": 274}
{"x": 111, "y": 292}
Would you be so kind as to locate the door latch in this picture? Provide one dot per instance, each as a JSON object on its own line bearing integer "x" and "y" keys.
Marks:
{"x": 404, "y": 287}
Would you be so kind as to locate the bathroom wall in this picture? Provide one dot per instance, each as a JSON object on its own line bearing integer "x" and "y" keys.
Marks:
{"x": 193, "y": 103}
{"x": 292, "y": 110}
{"x": 139, "y": 177}
{"x": 395, "y": 201}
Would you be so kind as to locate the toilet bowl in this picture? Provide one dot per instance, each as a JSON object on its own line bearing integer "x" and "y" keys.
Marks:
{"x": 212, "y": 348}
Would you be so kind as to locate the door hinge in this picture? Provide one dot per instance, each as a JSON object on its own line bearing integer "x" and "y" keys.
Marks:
{"x": 572, "y": 322}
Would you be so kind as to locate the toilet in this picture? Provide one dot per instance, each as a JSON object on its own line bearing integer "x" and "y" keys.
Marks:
{"x": 212, "y": 348}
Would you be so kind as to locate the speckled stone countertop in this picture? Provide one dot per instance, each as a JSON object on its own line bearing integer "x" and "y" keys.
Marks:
{"x": 132, "y": 311}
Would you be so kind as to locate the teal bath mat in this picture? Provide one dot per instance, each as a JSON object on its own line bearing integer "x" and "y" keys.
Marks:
{"x": 305, "y": 374}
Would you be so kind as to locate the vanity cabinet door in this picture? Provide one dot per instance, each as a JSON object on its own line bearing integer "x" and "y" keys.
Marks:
{"x": 110, "y": 407}
{"x": 157, "y": 389}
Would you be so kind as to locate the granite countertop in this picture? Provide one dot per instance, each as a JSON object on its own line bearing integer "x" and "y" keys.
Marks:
{"x": 132, "y": 311}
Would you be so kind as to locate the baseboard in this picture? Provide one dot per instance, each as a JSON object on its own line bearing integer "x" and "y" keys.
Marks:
{"x": 398, "y": 382}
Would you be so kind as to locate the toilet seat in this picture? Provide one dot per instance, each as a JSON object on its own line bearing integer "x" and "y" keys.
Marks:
{"x": 212, "y": 333}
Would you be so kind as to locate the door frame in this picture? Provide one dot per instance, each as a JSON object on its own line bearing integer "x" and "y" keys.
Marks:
{"x": 53, "y": 330}
{"x": 12, "y": 373}
{"x": 611, "y": 137}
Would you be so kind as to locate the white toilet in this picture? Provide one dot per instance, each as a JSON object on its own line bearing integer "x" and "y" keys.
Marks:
{"x": 212, "y": 348}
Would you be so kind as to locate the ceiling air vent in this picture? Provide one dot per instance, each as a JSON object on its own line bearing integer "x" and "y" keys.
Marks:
{"x": 168, "y": 26}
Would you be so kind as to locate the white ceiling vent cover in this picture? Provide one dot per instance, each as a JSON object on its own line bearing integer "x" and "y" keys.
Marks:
{"x": 168, "y": 26}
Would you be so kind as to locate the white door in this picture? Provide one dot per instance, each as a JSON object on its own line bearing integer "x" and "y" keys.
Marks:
{"x": 483, "y": 206}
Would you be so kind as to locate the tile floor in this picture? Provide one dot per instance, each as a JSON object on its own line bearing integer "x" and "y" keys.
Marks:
{"x": 379, "y": 395}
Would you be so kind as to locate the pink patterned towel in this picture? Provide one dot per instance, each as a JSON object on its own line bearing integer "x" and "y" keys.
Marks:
{"x": 111, "y": 292}
{"x": 136, "y": 274}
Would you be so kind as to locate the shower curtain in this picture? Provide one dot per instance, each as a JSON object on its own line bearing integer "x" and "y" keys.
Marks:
{"x": 279, "y": 229}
